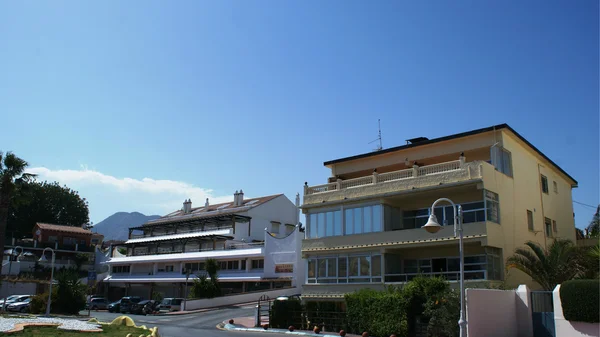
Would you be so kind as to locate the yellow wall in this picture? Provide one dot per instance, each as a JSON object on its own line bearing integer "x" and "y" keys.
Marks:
{"x": 522, "y": 192}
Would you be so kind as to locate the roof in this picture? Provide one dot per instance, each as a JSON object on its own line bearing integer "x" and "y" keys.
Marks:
{"x": 64, "y": 228}
{"x": 214, "y": 210}
{"x": 451, "y": 137}
{"x": 180, "y": 236}
{"x": 195, "y": 256}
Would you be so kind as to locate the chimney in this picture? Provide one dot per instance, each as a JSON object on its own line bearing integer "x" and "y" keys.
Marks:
{"x": 187, "y": 206}
{"x": 206, "y": 203}
{"x": 241, "y": 198}
{"x": 235, "y": 198}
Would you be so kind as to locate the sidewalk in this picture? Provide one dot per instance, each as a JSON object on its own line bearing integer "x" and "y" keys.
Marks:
{"x": 247, "y": 324}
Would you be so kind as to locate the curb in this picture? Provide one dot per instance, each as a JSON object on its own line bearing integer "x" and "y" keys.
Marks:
{"x": 235, "y": 327}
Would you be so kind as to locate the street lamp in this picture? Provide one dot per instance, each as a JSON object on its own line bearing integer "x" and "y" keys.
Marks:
{"x": 43, "y": 259}
{"x": 10, "y": 255}
{"x": 433, "y": 226}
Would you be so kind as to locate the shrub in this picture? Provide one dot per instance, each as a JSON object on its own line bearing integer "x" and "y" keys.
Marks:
{"x": 328, "y": 315}
{"x": 417, "y": 293}
{"x": 285, "y": 313}
{"x": 70, "y": 293}
{"x": 580, "y": 300}
{"x": 379, "y": 312}
{"x": 443, "y": 312}
{"x": 38, "y": 304}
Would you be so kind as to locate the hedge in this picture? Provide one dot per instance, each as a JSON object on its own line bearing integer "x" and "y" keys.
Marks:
{"x": 286, "y": 313}
{"x": 378, "y": 312}
{"x": 581, "y": 300}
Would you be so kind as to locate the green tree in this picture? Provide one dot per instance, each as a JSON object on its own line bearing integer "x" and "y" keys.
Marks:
{"x": 548, "y": 267}
{"x": 70, "y": 293}
{"x": 46, "y": 202}
{"x": 12, "y": 175}
{"x": 80, "y": 259}
{"x": 206, "y": 285}
{"x": 594, "y": 227}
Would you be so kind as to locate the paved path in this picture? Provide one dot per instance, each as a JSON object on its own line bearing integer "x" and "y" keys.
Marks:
{"x": 198, "y": 324}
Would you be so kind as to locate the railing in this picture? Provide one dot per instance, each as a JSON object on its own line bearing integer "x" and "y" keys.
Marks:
{"x": 387, "y": 177}
{"x": 182, "y": 231}
{"x": 448, "y": 275}
{"x": 180, "y": 251}
{"x": 439, "y": 168}
{"x": 395, "y": 175}
{"x": 356, "y": 182}
{"x": 322, "y": 188}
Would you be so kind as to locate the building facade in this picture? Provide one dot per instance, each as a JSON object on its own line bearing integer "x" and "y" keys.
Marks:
{"x": 363, "y": 225}
{"x": 256, "y": 243}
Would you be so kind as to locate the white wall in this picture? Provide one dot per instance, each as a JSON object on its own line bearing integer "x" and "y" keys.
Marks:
{"x": 238, "y": 299}
{"x": 280, "y": 209}
{"x": 491, "y": 313}
{"x": 18, "y": 288}
{"x": 566, "y": 328}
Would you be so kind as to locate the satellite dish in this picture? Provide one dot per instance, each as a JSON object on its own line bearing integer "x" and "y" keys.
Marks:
{"x": 38, "y": 232}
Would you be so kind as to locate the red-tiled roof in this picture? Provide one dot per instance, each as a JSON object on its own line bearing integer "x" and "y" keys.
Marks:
{"x": 224, "y": 208}
{"x": 63, "y": 228}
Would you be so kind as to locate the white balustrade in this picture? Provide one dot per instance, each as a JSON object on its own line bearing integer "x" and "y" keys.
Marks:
{"x": 439, "y": 168}
{"x": 386, "y": 177}
{"x": 395, "y": 175}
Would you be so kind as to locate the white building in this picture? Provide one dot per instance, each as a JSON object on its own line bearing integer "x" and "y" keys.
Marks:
{"x": 255, "y": 241}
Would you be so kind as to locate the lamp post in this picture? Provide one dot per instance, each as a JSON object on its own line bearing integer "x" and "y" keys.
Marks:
{"x": 433, "y": 226}
{"x": 185, "y": 296}
{"x": 43, "y": 259}
{"x": 12, "y": 253}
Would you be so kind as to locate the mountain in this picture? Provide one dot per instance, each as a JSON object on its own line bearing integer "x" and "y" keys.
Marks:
{"x": 116, "y": 226}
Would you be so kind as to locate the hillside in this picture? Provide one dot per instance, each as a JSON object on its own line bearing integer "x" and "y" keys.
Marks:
{"x": 115, "y": 227}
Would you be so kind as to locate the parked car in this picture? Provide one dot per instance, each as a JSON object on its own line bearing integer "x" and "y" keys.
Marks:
{"x": 126, "y": 303}
{"x": 115, "y": 306}
{"x": 19, "y": 306}
{"x": 145, "y": 307}
{"x": 97, "y": 303}
{"x": 14, "y": 299}
{"x": 171, "y": 304}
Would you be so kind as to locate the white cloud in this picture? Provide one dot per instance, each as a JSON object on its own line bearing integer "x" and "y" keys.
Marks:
{"x": 150, "y": 196}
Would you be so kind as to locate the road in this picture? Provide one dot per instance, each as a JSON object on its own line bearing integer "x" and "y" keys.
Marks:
{"x": 199, "y": 324}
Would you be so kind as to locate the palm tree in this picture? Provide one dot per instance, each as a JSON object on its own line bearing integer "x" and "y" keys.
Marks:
{"x": 12, "y": 174}
{"x": 548, "y": 267}
{"x": 593, "y": 229}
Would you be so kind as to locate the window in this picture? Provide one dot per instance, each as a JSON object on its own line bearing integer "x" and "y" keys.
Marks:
{"x": 530, "y": 220}
{"x": 275, "y": 227}
{"x": 472, "y": 212}
{"x": 492, "y": 206}
{"x": 548, "y": 224}
{"x": 554, "y": 227}
{"x": 555, "y": 186}
{"x": 52, "y": 239}
{"x": 448, "y": 267}
{"x": 120, "y": 269}
{"x": 229, "y": 265}
{"x": 356, "y": 220}
{"x": 544, "y": 184}
{"x": 258, "y": 264}
{"x": 243, "y": 265}
{"x": 364, "y": 268}
{"x": 169, "y": 269}
{"x": 502, "y": 160}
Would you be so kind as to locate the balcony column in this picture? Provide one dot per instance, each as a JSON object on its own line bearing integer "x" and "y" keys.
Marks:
{"x": 305, "y": 188}
{"x": 180, "y": 267}
{"x": 375, "y": 176}
{"x": 154, "y": 268}
{"x": 462, "y": 159}
{"x": 248, "y": 262}
{"x": 415, "y": 171}
{"x": 34, "y": 243}
{"x": 131, "y": 269}
{"x": 13, "y": 241}
{"x": 55, "y": 244}
{"x": 76, "y": 246}
{"x": 130, "y": 231}
{"x": 338, "y": 184}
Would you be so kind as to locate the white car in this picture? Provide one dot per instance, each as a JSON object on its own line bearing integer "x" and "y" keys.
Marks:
{"x": 19, "y": 306}
{"x": 14, "y": 299}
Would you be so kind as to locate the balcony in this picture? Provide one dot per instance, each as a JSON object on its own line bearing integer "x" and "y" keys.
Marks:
{"x": 382, "y": 183}
{"x": 476, "y": 231}
{"x": 226, "y": 247}
{"x": 182, "y": 230}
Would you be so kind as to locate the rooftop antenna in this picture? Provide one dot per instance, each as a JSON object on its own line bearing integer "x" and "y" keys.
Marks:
{"x": 380, "y": 147}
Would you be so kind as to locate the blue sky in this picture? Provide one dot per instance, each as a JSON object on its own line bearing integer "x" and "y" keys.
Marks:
{"x": 140, "y": 104}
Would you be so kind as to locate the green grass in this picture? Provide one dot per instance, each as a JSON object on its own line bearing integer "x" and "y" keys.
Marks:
{"x": 108, "y": 331}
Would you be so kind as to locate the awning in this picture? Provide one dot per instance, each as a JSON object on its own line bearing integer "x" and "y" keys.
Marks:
{"x": 221, "y": 232}
{"x": 181, "y": 257}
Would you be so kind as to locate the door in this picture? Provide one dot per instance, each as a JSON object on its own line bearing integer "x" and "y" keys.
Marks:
{"x": 542, "y": 312}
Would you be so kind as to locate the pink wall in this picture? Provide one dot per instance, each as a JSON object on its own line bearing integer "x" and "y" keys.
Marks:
{"x": 491, "y": 313}
{"x": 566, "y": 328}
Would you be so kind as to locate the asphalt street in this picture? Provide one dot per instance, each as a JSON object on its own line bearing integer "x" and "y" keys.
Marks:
{"x": 199, "y": 324}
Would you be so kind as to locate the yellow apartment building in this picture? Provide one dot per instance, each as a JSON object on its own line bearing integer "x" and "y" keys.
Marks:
{"x": 363, "y": 225}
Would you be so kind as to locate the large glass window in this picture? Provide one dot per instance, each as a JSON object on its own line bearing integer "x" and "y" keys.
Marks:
{"x": 502, "y": 160}
{"x": 492, "y": 206}
{"x": 472, "y": 212}
{"x": 355, "y": 220}
{"x": 449, "y": 267}
{"x": 364, "y": 268}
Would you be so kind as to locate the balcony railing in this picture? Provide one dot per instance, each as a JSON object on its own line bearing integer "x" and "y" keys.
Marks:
{"x": 448, "y": 275}
{"x": 387, "y": 177}
{"x": 182, "y": 231}
{"x": 227, "y": 247}
{"x": 9, "y": 242}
